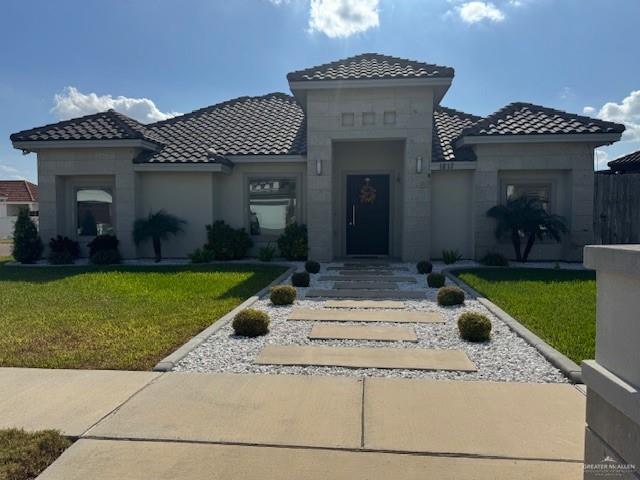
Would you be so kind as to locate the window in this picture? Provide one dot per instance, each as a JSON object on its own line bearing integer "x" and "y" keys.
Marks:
{"x": 95, "y": 212}
{"x": 272, "y": 205}
{"x": 540, "y": 191}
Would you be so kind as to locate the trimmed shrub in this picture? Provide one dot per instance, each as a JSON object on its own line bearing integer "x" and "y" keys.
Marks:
{"x": 27, "y": 246}
{"x": 201, "y": 255}
{"x": 293, "y": 243}
{"x": 105, "y": 257}
{"x": 448, "y": 296}
{"x": 227, "y": 243}
{"x": 493, "y": 259}
{"x": 312, "y": 266}
{"x": 300, "y": 279}
{"x": 283, "y": 295}
{"x": 474, "y": 327}
{"x": 251, "y": 323}
{"x": 435, "y": 280}
{"x": 451, "y": 256}
{"x": 103, "y": 243}
{"x": 424, "y": 267}
{"x": 266, "y": 254}
{"x": 60, "y": 258}
{"x": 62, "y": 244}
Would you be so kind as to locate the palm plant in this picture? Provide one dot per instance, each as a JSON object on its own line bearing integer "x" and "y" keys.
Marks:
{"x": 157, "y": 227}
{"x": 525, "y": 218}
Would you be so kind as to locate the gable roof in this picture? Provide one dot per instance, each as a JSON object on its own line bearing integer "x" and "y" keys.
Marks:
{"x": 448, "y": 124}
{"x": 272, "y": 124}
{"x": 109, "y": 125}
{"x": 370, "y": 66}
{"x": 528, "y": 119}
{"x": 19, "y": 191}
{"x": 626, "y": 162}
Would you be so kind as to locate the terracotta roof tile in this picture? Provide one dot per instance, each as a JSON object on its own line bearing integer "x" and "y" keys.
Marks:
{"x": 627, "y": 162}
{"x": 369, "y": 66}
{"x": 447, "y": 126}
{"x": 19, "y": 191}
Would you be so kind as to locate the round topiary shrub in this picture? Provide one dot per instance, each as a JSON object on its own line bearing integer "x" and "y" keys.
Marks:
{"x": 493, "y": 259}
{"x": 435, "y": 280}
{"x": 60, "y": 258}
{"x": 105, "y": 257}
{"x": 424, "y": 267}
{"x": 312, "y": 267}
{"x": 283, "y": 295}
{"x": 251, "y": 323}
{"x": 300, "y": 279}
{"x": 474, "y": 327}
{"x": 448, "y": 296}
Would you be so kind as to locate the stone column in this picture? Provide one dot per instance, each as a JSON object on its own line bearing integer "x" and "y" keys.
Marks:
{"x": 320, "y": 201}
{"x": 612, "y": 439}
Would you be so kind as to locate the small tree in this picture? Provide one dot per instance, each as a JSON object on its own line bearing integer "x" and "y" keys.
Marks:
{"x": 157, "y": 227}
{"x": 27, "y": 246}
{"x": 524, "y": 218}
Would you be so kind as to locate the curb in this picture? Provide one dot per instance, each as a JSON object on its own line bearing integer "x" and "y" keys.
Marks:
{"x": 563, "y": 363}
{"x": 170, "y": 361}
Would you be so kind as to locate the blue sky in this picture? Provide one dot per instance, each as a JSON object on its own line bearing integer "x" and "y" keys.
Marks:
{"x": 153, "y": 58}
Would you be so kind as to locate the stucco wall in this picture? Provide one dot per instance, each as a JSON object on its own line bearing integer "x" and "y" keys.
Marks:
{"x": 568, "y": 165}
{"x": 60, "y": 169}
{"x": 451, "y": 212}
{"x": 412, "y": 108}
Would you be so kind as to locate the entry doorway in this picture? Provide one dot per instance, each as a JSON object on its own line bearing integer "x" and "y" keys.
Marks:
{"x": 367, "y": 214}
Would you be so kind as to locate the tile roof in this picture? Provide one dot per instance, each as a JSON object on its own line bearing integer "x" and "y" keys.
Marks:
{"x": 19, "y": 191}
{"x": 272, "y": 124}
{"x": 529, "y": 119}
{"x": 109, "y": 125}
{"x": 447, "y": 126}
{"x": 627, "y": 162}
{"x": 368, "y": 66}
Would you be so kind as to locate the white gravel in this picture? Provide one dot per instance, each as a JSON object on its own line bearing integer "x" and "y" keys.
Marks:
{"x": 506, "y": 357}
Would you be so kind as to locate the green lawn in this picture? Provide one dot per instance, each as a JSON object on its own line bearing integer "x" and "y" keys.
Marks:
{"x": 557, "y": 305}
{"x": 23, "y": 456}
{"x": 114, "y": 317}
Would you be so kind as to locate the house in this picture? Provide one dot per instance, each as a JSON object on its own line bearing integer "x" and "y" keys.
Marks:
{"x": 14, "y": 196}
{"x": 626, "y": 164}
{"x": 363, "y": 152}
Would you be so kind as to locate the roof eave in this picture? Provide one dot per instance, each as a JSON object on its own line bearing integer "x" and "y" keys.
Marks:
{"x": 597, "y": 139}
{"x": 36, "y": 145}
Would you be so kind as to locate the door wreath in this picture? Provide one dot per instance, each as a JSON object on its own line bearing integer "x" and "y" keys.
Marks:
{"x": 367, "y": 193}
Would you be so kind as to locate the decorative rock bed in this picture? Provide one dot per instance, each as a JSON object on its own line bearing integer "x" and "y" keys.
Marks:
{"x": 507, "y": 357}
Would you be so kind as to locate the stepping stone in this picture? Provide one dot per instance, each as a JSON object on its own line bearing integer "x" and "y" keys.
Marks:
{"x": 368, "y": 294}
{"x": 358, "y": 357}
{"x": 389, "y": 304}
{"x": 365, "y": 278}
{"x": 360, "y": 332}
{"x": 365, "y": 286}
{"x": 308, "y": 314}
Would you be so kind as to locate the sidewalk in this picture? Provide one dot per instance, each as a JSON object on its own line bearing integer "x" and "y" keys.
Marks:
{"x": 140, "y": 425}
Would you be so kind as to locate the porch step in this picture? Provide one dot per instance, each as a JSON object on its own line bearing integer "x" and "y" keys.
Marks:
{"x": 365, "y": 272}
{"x": 367, "y": 294}
{"x": 360, "y": 357}
{"x": 366, "y": 304}
{"x": 329, "y": 331}
{"x": 349, "y": 285}
{"x": 310, "y": 314}
{"x": 365, "y": 278}
{"x": 364, "y": 266}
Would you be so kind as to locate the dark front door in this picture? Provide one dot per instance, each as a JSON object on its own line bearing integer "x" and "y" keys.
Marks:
{"x": 367, "y": 214}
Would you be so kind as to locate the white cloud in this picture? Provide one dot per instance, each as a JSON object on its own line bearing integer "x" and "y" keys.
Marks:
{"x": 626, "y": 112}
{"x": 600, "y": 159}
{"x": 8, "y": 169}
{"x": 343, "y": 18}
{"x": 72, "y": 103}
{"x": 475, "y": 12}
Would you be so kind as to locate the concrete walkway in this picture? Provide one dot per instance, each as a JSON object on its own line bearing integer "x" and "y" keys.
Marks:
{"x": 139, "y": 425}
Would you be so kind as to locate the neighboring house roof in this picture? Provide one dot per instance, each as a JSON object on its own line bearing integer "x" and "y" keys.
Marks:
{"x": 448, "y": 124}
{"x": 529, "y": 119}
{"x": 19, "y": 191}
{"x": 109, "y": 125}
{"x": 627, "y": 162}
{"x": 369, "y": 66}
{"x": 272, "y": 124}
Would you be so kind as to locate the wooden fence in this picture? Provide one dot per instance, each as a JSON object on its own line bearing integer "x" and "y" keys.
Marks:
{"x": 616, "y": 215}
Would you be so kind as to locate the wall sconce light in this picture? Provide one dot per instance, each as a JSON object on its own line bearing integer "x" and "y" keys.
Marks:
{"x": 318, "y": 167}
{"x": 418, "y": 164}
